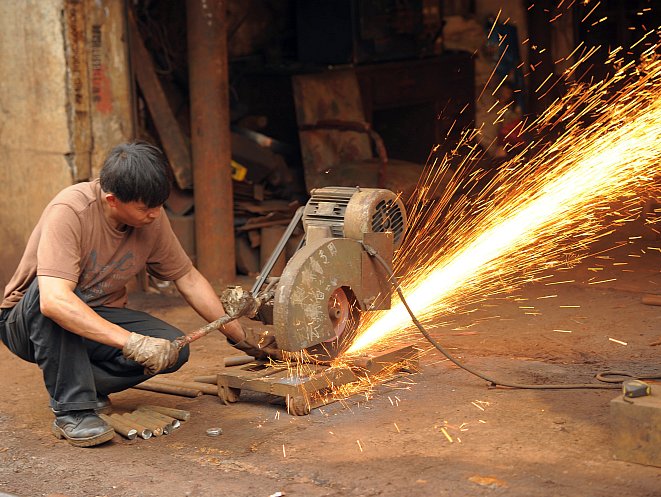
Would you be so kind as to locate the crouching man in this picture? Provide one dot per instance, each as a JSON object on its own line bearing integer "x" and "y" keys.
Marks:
{"x": 64, "y": 308}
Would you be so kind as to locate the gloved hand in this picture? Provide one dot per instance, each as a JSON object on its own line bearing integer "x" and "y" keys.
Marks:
{"x": 155, "y": 354}
{"x": 259, "y": 345}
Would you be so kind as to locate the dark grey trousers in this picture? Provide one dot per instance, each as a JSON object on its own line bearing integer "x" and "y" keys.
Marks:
{"x": 76, "y": 369}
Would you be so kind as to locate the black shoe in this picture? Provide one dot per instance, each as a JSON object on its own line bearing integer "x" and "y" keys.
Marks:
{"x": 81, "y": 428}
{"x": 103, "y": 404}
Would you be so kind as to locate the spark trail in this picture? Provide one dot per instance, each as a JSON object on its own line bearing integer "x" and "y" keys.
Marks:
{"x": 544, "y": 205}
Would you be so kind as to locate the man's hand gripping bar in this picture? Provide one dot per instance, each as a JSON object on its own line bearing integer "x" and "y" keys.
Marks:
{"x": 237, "y": 303}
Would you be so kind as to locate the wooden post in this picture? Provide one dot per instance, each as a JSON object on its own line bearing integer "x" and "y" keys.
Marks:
{"x": 210, "y": 138}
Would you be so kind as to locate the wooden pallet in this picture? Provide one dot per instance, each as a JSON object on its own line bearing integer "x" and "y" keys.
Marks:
{"x": 309, "y": 386}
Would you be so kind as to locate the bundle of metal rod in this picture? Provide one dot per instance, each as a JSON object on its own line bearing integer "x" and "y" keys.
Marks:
{"x": 146, "y": 421}
{"x": 121, "y": 427}
{"x": 173, "y": 422}
{"x": 117, "y": 420}
{"x": 155, "y": 418}
{"x": 156, "y": 427}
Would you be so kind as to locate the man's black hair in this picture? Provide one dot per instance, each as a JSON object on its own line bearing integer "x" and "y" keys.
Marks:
{"x": 137, "y": 172}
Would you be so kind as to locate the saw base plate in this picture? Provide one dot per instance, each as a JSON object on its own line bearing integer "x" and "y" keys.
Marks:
{"x": 308, "y": 386}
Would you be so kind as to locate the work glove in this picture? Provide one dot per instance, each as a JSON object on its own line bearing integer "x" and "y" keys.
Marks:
{"x": 261, "y": 346}
{"x": 155, "y": 354}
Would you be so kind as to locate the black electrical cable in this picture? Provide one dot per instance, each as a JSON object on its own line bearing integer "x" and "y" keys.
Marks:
{"x": 610, "y": 379}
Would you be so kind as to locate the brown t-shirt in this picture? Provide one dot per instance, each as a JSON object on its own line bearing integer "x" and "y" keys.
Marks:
{"x": 73, "y": 240}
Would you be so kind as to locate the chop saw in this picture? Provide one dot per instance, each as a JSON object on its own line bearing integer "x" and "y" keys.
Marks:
{"x": 330, "y": 280}
{"x": 316, "y": 304}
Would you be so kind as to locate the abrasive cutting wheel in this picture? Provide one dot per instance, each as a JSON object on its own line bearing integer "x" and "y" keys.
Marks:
{"x": 344, "y": 315}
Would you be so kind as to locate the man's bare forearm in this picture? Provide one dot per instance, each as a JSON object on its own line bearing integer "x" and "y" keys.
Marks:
{"x": 201, "y": 296}
{"x": 59, "y": 303}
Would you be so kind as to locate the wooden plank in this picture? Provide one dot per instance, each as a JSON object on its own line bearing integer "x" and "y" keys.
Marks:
{"x": 175, "y": 145}
{"x": 78, "y": 88}
{"x": 111, "y": 106}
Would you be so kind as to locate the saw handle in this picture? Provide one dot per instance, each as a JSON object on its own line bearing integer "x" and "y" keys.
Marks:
{"x": 182, "y": 341}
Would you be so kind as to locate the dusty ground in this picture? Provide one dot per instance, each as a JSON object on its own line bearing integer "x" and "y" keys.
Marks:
{"x": 504, "y": 442}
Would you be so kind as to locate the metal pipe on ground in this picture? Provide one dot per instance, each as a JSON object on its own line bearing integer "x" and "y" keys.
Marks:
{"x": 211, "y": 379}
{"x": 192, "y": 385}
{"x": 238, "y": 360}
{"x": 179, "y": 414}
{"x": 143, "y": 432}
{"x": 120, "y": 427}
{"x": 175, "y": 423}
{"x": 171, "y": 389}
{"x": 155, "y": 428}
{"x": 147, "y": 417}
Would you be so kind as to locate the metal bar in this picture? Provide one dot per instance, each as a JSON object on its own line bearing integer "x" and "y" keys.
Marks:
{"x": 148, "y": 417}
{"x": 179, "y": 414}
{"x": 298, "y": 215}
{"x": 210, "y": 138}
{"x": 155, "y": 428}
{"x": 144, "y": 432}
{"x": 124, "y": 429}
{"x": 238, "y": 360}
{"x": 210, "y": 379}
{"x": 245, "y": 305}
{"x": 193, "y": 385}
{"x": 174, "y": 422}
{"x": 171, "y": 389}
{"x": 182, "y": 341}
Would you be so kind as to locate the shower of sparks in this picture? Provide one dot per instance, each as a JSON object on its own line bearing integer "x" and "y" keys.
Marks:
{"x": 541, "y": 211}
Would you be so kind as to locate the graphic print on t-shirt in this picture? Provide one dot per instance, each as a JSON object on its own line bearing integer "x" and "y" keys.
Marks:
{"x": 98, "y": 280}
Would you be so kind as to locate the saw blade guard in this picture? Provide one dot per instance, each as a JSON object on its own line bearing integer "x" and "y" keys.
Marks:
{"x": 303, "y": 303}
{"x": 330, "y": 280}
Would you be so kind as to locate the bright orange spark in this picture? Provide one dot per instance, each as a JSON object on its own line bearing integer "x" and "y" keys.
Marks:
{"x": 541, "y": 208}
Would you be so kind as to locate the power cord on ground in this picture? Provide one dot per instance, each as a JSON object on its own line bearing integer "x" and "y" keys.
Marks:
{"x": 609, "y": 379}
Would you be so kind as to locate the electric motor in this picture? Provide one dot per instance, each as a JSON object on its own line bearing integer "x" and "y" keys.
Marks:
{"x": 350, "y": 212}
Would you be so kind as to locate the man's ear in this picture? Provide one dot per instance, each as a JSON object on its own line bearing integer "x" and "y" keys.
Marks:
{"x": 111, "y": 199}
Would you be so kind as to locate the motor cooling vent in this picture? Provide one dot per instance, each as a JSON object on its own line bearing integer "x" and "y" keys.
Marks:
{"x": 351, "y": 212}
{"x": 389, "y": 216}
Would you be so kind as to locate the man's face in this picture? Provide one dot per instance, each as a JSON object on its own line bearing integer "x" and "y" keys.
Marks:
{"x": 135, "y": 214}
